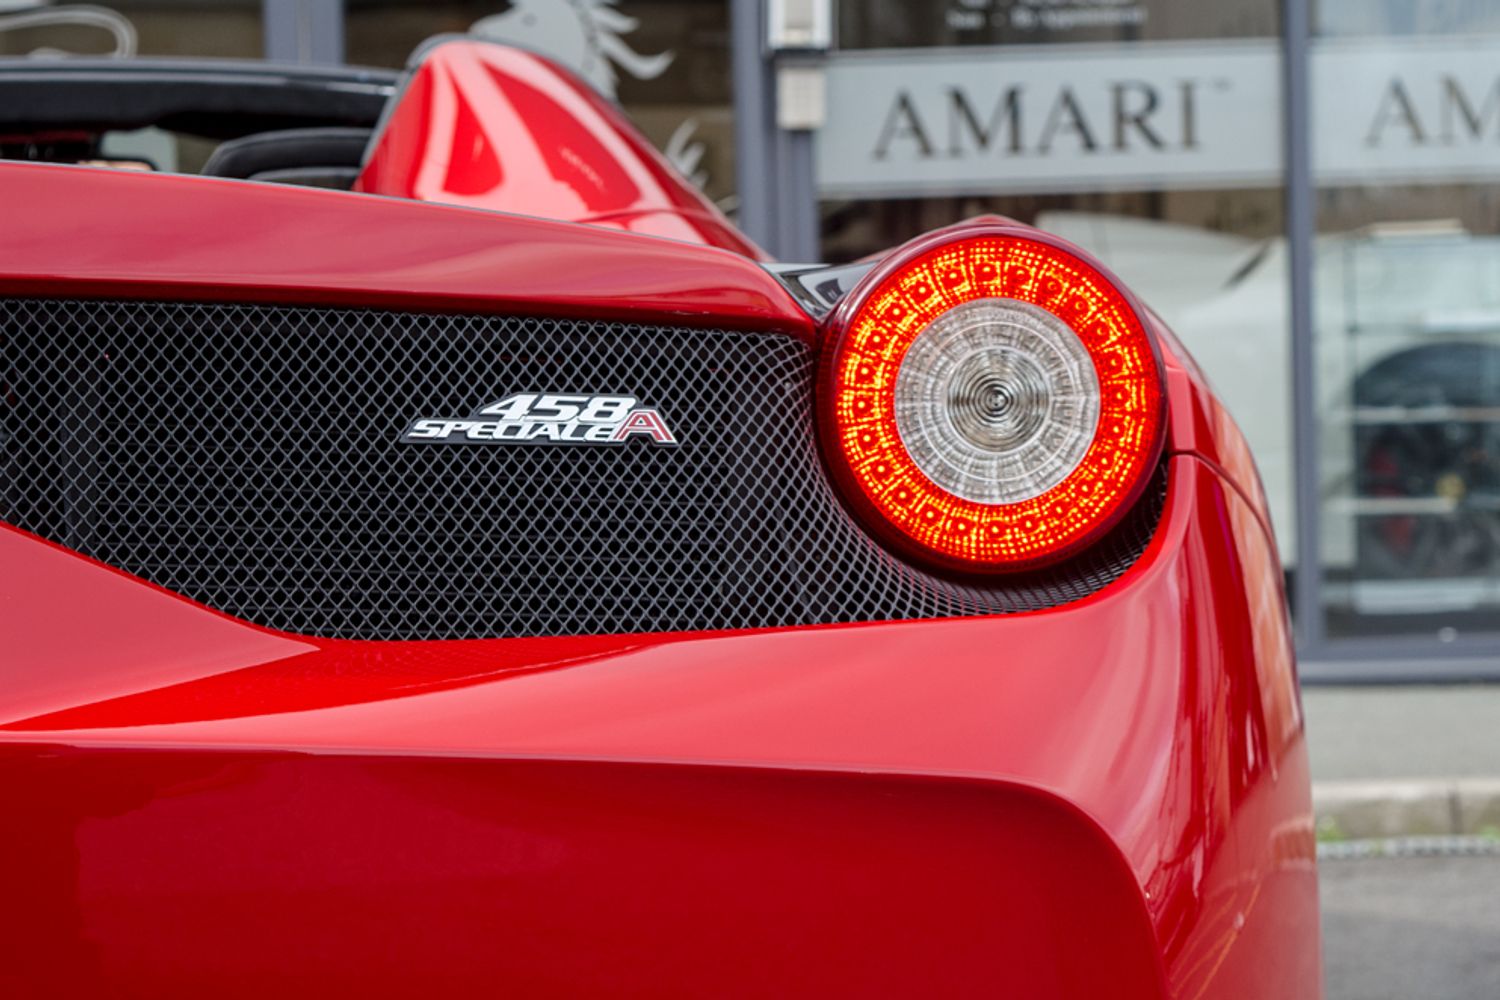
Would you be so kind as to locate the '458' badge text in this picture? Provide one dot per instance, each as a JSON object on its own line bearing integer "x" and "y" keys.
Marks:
{"x": 546, "y": 418}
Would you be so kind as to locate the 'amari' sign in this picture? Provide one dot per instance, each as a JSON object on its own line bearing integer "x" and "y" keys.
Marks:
{"x": 1152, "y": 115}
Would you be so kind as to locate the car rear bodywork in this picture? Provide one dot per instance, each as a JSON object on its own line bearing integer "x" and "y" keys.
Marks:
{"x": 1101, "y": 795}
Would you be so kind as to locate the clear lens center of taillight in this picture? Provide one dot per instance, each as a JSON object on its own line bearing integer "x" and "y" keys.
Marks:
{"x": 997, "y": 401}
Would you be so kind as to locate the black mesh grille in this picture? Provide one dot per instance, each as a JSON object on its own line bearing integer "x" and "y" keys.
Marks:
{"x": 247, "y": 457}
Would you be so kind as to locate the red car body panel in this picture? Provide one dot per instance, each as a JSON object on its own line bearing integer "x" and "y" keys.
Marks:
{"x": 486, "y": 126}
{"x": 1110, "y": 716}
{"x": 1108, "y": 797}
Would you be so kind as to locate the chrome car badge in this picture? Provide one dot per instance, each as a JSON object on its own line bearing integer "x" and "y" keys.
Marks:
{"x": 546, "y": 418}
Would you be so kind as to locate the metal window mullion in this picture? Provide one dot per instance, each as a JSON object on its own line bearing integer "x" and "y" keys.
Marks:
{"x": 797, "y": 197}
{"x": 1301, "y": 223}
{"x": 304, "y": 31}
{"x": 755, "y": 133}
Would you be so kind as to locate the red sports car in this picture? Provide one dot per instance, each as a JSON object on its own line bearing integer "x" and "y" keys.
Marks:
{"x": 499, "y": 578}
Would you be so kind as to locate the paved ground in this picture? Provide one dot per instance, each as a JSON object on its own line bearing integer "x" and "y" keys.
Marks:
{"x": 1404, "y": 928}
{"x": 1376, "y": 733}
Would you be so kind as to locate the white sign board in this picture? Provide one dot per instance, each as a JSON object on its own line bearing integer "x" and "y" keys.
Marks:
{"x": 1049, "y": 118}
{"x": 1153, "y": 116}
{"x": 1414, "y": 111}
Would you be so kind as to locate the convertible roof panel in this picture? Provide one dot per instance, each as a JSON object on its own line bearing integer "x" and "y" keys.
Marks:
{"x": 217, "y": 99}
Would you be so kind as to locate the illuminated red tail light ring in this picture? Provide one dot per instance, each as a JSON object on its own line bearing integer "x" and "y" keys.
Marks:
{"x": 992, "y": 402}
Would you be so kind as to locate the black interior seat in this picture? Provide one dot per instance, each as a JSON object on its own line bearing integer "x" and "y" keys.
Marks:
{"x": 321, "y": 157}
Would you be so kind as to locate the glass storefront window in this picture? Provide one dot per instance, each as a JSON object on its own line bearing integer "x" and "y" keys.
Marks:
{"x": 865, "y": 24}
{"x": 1406, "y": 113}
{"x": 221, "y": 28}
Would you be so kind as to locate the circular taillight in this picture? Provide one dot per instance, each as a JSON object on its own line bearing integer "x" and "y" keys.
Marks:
{"x": 993, "y": 398}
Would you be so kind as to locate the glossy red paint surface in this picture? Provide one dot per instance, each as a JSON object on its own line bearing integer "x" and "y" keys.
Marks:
{"x": 1199, "y": 424}
{"x": 248, "y": 874}
{"x": 489, "y": 126}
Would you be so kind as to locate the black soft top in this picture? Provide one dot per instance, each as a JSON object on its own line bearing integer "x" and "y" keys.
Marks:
{"x": 215, "y": 99}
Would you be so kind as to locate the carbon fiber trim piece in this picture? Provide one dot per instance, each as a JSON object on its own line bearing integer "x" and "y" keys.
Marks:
{"x": 247, "y": 458}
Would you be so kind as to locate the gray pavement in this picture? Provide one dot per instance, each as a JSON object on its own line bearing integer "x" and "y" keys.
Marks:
{"x": 1384, "y": 733}
{"x": 1405, "y": 760}
{"x": 1399, "y": 928}
{"x": 1399, "y": 762}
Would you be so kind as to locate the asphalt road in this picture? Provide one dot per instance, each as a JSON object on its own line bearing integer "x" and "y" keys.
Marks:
{"x": 1399, "y": 928}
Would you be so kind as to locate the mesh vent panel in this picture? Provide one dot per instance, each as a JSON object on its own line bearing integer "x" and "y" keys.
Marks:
{"x": 247, "y": 458}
